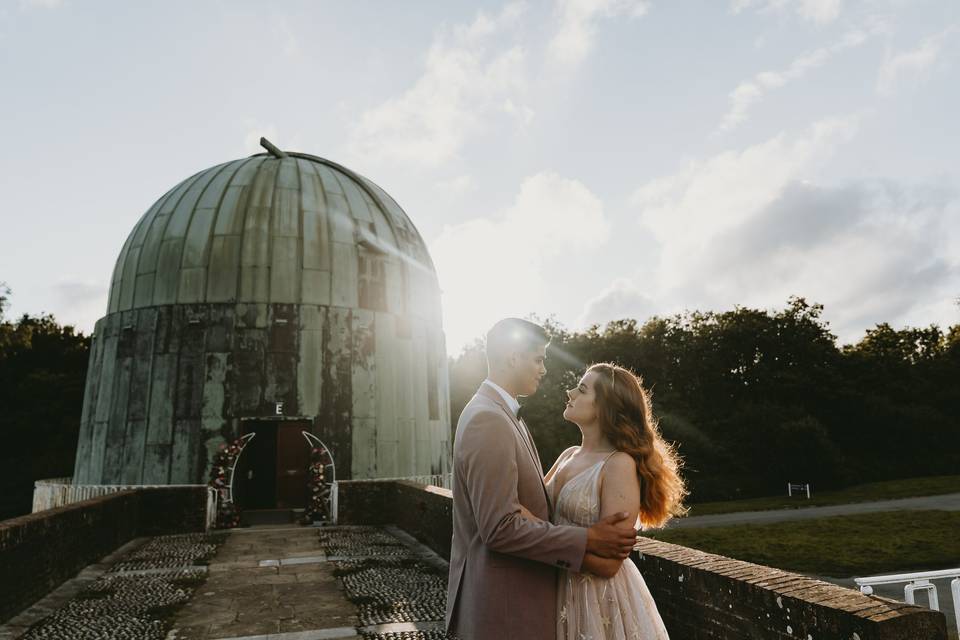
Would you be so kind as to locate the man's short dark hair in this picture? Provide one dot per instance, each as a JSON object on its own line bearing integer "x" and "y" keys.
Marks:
{"x": 513, "y": 334}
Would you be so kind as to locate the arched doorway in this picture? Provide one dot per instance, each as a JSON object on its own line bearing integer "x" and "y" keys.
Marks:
{"x": 271, "y": 473}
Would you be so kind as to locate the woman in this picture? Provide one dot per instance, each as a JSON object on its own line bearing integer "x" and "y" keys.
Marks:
{"x": 622, "y": 464}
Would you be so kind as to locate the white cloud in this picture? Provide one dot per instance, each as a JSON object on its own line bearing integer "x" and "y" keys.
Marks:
{"x": 819, "y": 11}
{"x": 470, "y": 78}
{"x": 749, "y": 92}
{"x": 494, "y": 266}
{"x": 41, "y": 4}
{"x": 577, "y": 25}
{"x": 914, "y": 63}
{"x": 747, "y": 227}
{"x": 621, "y": 299}
{"x": 79, "y": 303}
{"x": 687, "y": 209}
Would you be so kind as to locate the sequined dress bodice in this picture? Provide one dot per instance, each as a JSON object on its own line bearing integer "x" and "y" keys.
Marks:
{"x": 590, "y": 607}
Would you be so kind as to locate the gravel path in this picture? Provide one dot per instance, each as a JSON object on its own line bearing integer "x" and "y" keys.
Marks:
{"x": 947, "y": 502}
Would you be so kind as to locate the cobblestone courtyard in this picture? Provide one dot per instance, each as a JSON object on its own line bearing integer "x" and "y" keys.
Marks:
{"x": 278, "y": 583}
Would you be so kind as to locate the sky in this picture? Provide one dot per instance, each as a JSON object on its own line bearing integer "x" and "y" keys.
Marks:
{"x": 580, "y": 160}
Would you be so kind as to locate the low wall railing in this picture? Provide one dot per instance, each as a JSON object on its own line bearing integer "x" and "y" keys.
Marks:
{"x": 919, "y": 581}
{"x": 700, "y": 595}
{"x": 51, "y": 493}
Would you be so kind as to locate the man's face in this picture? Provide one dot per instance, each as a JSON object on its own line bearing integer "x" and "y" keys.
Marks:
{"x": 528, "y": 368}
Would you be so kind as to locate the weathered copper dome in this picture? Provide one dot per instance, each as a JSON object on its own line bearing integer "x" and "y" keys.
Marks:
{"x": 274, "y": 294}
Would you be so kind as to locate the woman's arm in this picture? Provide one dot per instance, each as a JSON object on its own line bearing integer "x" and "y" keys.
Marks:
{"x": 603, "y": 567}
{"x": 556, "y": 465}
{"x": 619, "y": 492}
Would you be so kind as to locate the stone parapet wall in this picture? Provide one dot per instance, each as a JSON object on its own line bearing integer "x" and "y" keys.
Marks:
{"x": 701, "y": 596}
{"x": 41, "y": 550}
{"x": 423, "y": 511}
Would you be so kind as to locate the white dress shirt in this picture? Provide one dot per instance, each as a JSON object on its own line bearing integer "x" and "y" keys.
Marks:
{"x": 512, "y": 402}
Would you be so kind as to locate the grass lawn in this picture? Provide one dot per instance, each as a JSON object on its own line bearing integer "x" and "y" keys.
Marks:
{"x": 841, "y": 546}
{"x": 887, "y": 490}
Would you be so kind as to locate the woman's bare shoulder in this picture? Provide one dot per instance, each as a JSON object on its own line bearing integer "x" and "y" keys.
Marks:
{"x": 620, "y": 467}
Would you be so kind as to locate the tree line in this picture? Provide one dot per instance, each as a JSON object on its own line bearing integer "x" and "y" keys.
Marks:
{"x": 753, "y": 398}
{"x": 758, "y": 398}
{"x": 43, "y": 368}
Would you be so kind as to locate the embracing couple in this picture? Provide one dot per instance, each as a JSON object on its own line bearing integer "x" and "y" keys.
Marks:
{"x": 539, "y": 557}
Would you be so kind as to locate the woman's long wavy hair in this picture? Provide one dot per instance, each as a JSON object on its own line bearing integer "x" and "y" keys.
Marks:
{"x": 626, "y": 419}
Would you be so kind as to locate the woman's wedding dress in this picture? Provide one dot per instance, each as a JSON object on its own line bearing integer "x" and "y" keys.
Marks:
{"x": 594, "y": 608}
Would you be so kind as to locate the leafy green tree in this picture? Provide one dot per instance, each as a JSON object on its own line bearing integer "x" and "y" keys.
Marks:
{"x": 42, "y": 374}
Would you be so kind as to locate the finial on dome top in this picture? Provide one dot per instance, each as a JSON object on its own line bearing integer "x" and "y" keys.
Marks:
{"x": 272, "y": 148}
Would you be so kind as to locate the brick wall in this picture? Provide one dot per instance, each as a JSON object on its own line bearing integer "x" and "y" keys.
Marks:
{"x": 41, "y": 550}
{"x": 701, "y": 596}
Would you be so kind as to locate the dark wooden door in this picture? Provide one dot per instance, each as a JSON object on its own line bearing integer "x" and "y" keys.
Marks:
{"x": 293, "y": 457}
{"x": 254, "y": 481}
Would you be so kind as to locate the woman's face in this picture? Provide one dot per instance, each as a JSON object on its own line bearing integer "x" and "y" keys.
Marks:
{"x": 581, "y": 405}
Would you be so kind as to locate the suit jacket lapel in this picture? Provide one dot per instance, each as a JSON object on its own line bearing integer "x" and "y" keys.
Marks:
{"x": 528, "y": 444}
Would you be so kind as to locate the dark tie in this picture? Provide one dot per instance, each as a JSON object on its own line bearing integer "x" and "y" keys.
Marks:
{"x": 521, "y": 412}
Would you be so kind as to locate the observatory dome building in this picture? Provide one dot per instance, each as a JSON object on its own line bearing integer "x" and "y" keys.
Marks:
{"x": 273, "y": 295}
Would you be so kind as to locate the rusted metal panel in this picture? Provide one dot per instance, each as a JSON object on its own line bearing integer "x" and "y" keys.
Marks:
{"x": 245, "y": 385}
{"x": 189, "y": 377}
{"x": 358, "y": 207}
{"x": 285, "y": 270}
{"x": 336, "y": 404}
{"x": 195, "y": 245}
{"x": 310, "y": 363}
{"x": 129, "y": 278}
{"x": 85, "y": 436}
{"x": 213, "y": 407}
{"x": 262, "y": 187}
{"x": 156, "y": 464}
{"x": 343, "y": 284}
{"x": 364, "y": 448}
{"x": 143, "y": 291}
{"x": 184, "y": 455}
{"x": 315, "y": 287}
{"x": 134, "y": 442}
{"x": 285, "y": 212}
{"x": 223, "y": 271}
{"x": 256, "y": 240}
{"x": 287, "y": 177}
{"x": 98, "y": 445}
{"x": 160, "y": 418}
{"x": 422, "y": 415}
{"x": 219, "y": 323}
{"x": 183, "y": 213}
{"x": 364, "y": 369}
{"x": 168, "y": 272}
{"x": 114, "y": 450}
{"x": 192, "y": 282}
{"x": 254, "y": 283}
{"x": 107, "y": 366}
{"x": 213, "y": 192}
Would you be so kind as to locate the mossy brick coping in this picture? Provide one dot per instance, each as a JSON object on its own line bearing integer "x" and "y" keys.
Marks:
{"x": 700, "y": 595}
{"x": 41, "y": 550}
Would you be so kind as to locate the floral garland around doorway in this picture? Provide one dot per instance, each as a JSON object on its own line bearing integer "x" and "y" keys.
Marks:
{"x": 318, "y": 487}
{"x": 228, "y": 514}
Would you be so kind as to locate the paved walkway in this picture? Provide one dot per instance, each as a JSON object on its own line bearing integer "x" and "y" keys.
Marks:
{"x": 263, "y": 583}
{"x": 947, "y": 502}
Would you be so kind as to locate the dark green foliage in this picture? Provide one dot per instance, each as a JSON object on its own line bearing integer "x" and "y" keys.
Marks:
{"x": 755, "y": 399}
{"x": 43, "y": 367}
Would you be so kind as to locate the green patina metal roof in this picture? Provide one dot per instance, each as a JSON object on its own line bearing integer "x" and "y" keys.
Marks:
{"x": 271, "y": 228}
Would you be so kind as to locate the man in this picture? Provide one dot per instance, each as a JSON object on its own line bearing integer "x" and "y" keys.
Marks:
{"x": 503, "y": 567}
